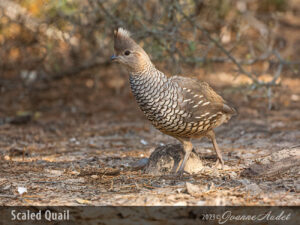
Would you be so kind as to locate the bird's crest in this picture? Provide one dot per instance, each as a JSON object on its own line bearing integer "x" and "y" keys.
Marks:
{"x": 122, "y": 33}
{"x": 122, "y": 40}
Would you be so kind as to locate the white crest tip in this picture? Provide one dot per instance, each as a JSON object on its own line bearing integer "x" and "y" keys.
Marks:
{"x": 123, "y": 32}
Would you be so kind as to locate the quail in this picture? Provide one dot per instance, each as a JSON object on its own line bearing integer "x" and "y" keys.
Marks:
{"x": 182, "y": 107}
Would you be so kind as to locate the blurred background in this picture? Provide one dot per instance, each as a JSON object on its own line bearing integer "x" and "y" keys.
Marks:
{"x": 55, "y": 55}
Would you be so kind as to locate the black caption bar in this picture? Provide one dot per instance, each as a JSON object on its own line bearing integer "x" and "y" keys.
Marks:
{"x": 150, "y": 215}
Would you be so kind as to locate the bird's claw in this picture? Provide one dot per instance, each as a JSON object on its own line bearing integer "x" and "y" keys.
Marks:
{"x": 219, "y": 163}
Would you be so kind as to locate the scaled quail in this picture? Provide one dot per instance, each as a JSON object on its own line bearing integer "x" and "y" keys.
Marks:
{"x": 181, "y": 107}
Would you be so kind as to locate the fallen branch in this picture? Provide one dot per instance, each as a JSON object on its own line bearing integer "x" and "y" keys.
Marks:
{"x": 273, "y": 168}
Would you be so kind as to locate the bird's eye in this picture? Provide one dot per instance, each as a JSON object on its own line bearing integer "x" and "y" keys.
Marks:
{"x": 127, "y": 52}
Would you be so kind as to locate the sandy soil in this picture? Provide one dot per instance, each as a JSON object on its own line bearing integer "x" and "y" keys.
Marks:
{"x": 73, "y": 143}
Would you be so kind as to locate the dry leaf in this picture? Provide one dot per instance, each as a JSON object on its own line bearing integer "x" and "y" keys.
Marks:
{"x": 83, "y": 201}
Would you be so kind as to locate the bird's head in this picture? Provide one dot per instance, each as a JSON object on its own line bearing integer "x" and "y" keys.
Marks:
{"x": 128, "y": 52}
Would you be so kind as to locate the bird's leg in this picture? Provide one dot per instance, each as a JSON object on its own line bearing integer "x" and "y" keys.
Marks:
{"x": 211, "y": 135}
{"x": 187, "y": 147}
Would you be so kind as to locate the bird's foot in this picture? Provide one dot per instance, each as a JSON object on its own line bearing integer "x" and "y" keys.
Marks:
{"x": 219, "y": 163}
{"x": 179, "y": 174}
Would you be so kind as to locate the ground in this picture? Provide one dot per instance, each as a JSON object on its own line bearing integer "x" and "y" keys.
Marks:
{"x": 74, "y": 142}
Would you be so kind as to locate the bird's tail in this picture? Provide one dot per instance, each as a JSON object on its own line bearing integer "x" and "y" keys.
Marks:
{"x": 229, "y": 110}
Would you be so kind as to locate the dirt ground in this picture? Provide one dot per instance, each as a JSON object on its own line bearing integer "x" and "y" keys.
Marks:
{"x": 74, "y": 142}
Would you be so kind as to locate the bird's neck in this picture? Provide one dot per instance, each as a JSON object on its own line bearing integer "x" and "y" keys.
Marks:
{"x": 148, "y": 75}
{"x": 148, "y": 86}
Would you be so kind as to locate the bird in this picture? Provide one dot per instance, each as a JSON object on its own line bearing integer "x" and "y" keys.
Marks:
{"x": 182, "y": 107}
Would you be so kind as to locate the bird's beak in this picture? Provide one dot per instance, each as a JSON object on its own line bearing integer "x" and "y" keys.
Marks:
{"x": 113, "y": 57}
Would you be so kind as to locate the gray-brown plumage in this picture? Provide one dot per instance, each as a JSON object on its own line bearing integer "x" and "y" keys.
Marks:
{"x": 181, "y": 107}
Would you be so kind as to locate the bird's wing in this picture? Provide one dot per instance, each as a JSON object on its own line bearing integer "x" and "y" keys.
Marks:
{"x": 200, "y": 100}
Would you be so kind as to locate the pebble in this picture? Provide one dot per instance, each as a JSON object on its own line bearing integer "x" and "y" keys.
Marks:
{"x": 253, "y": 188}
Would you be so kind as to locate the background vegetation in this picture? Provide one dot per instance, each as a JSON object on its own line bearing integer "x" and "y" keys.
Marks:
{"x": 49, "y": 39}
{"x": 71, "y": 132}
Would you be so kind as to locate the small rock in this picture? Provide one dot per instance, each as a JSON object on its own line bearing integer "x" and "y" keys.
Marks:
{"x": 140, "y": 164}
{"x": 295, "y": 98}
{"x": 179, "y": 190}
{"x": 232, "y": 174}
{"x": 83, "y": 201}
{"x": 180, "y": 204}
{"x": 245, "y": 182}
{"x": 166, "y": 159}
{"x": 193, "y": 189}
{"x": 144, "y": 142}
{"x": 6, "y": 187}
{"x": 55, "y": 172}
{"x": 253, "y": 188}
{"x": 196, "y": 190}
{"x": 220, "y": 201}
{"x": 22, "y": 190}
{"x": 74, "y": 172}
{"x": 201, "y": 203}
{"x": 72, "y": 139}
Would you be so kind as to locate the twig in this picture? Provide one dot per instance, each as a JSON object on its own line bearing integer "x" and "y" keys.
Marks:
{"x": 275, "y": 78}
{"x": 8, "y": 196}
{"x": 75, "y": 70}
{"x": 217, "y": 43}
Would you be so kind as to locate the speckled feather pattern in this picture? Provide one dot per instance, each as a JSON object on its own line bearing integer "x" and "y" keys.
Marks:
{"x": 178, "y": 106}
